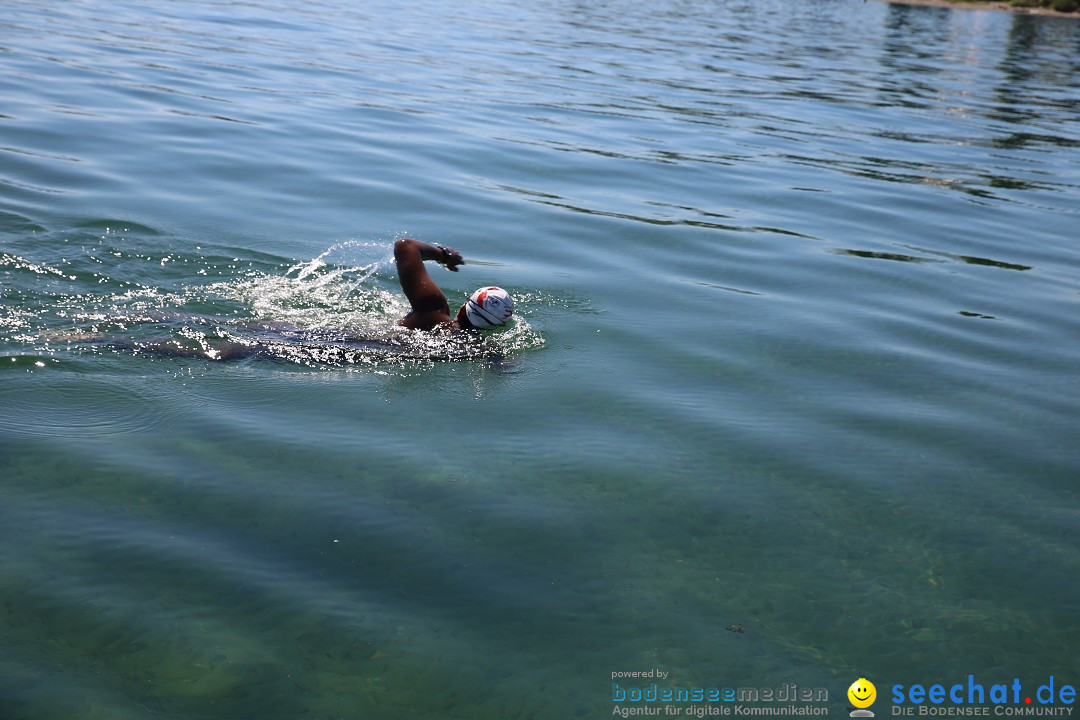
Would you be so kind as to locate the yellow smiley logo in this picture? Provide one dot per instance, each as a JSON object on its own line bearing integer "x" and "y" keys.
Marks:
{"x": 862, "y": 693}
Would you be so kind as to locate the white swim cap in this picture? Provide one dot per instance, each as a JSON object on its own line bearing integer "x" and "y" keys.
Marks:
{"x": 489, "y": 307}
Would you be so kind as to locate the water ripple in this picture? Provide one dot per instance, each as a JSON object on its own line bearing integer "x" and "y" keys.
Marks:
{"x": 43, "y": 407}
{"x": 803, "y": 273}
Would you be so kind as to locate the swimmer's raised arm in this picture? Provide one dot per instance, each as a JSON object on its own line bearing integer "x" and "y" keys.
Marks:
{"x": 448, "y": 257}
{"x": 429, "y": 306}
{"x": 488, "y": 307}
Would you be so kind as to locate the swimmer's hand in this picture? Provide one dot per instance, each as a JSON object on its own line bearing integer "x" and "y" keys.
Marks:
{"x": 450, "y": 258}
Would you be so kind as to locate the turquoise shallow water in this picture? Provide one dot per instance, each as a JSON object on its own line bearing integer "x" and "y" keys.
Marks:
{"x": 796, "y": 352}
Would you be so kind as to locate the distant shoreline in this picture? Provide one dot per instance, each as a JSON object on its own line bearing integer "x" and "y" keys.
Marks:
{"x": 987, "y": 5}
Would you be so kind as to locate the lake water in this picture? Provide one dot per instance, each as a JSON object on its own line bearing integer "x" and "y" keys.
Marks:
{"x": 798, "y": 291}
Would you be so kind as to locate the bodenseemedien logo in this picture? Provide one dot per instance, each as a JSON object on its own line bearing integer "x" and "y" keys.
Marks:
{"x": 862, "y": 694}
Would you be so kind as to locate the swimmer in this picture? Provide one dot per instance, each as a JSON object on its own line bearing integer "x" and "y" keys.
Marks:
{"x": 179, "y": 335}
{"x": 486, "y": 308}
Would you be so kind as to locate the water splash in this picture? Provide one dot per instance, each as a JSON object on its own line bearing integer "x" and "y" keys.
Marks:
{"x": 341, "y": 308}
{"x": 337, "y": 288}
{"x": 348, "y": 250}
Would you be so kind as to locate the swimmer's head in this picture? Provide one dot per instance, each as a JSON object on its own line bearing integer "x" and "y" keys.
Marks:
{"x": 487, "y": 308}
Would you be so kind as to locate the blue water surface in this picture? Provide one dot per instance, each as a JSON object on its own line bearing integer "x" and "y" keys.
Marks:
{"x": 791, "y": 396}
